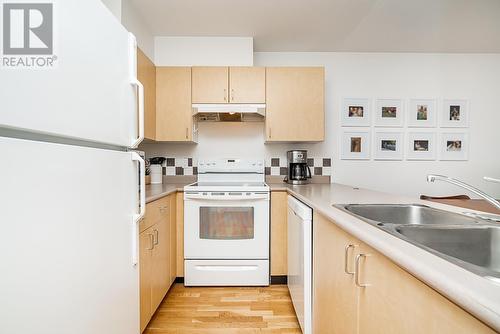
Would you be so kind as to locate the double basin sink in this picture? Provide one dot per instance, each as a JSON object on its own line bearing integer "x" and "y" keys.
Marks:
{"x": 471, "y": 243}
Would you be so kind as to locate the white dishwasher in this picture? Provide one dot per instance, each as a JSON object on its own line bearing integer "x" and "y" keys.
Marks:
{"x": 300, "y": 261}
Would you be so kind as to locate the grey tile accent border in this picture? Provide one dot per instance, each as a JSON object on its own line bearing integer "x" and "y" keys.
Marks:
{"x": 273, "y": 166}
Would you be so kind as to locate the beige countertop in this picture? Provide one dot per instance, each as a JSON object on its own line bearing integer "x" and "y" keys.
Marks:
{"x": 157, "y": 191}
{"x": 476, "y": 294}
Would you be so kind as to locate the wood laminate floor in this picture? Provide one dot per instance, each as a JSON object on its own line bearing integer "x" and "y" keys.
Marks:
{"x": 225, "y": 310}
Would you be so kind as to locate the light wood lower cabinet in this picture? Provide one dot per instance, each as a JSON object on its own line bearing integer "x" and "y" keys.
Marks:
{"x": 334, "y": 292}
{"x": 161, "y": 257}
{"x": 393, "y": 301}
{"x": 146, "y": 245}
{"x": 279, "y": 235}
{"x": 180, "y": 234}
{"x": 157, "y": 255}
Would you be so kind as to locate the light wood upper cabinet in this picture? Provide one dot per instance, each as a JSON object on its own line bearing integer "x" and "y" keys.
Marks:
{"x": 279, "y": 235}
{"x": 146, "y": 73}
{"x": 295, "y": 104}
{"x": 247, "y": 85}
{"x": 174, "y": 116}
{"x": 210, "y": 84}
{"x": 386, "y": 300}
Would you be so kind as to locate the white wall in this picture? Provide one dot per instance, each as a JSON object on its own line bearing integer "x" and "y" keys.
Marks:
{"x": 208, "y": 51}
{"x": 115, "y": 6}
{"x": 378, "y": 75}
{"x": 138, "y": 26}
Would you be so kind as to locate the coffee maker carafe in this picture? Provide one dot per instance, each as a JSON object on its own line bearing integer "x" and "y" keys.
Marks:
{"x": 298, "y": 170}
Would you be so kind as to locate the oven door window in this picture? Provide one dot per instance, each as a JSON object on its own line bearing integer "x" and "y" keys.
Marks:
{"x": 227, "y": 223}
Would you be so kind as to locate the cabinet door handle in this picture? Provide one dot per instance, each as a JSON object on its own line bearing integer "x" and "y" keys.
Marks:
{"x": 155, "y": 237}
{"x": 357, "y": 271}
{"x": 232, "y": 95}
{"x": 225, "y": 95}
{"x": 151, "y": 241}
{"x": 187, "y": 133}
{"x": 269, "y": 133}
{"x": 346, "y": 259}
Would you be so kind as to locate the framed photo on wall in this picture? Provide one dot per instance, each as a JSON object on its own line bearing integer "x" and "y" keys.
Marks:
{"x": 455, "y": 114}
{"x": 389, "y": 113}
{"x": 454, "y": 146}
{"x": 388, "y": 146}
{"x": 356, "y": 112}
{"x": 422, "y": 113}
{"x": 355, "y": 145}
{"x": 421, "y": 146}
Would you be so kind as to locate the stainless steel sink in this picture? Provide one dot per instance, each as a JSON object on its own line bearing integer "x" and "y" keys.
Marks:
{"x": 407, "y": 214}
{"x": 475, "y": 245}
{"x": 469, "y": 242}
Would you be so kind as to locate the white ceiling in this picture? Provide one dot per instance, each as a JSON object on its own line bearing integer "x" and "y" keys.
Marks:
{"x": 334, "y": 25}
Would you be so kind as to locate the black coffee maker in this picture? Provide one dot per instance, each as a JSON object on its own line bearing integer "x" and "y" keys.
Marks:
{"x": 298, "y": 170}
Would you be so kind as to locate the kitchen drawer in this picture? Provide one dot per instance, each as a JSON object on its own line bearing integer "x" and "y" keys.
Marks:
{"x": 155, "y": 211}
{"x": 226, "y": 272}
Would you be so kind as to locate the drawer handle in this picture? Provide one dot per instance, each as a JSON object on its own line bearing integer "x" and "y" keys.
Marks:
{"x": 151, "y": 241}
{"x": 356, "y": 274}
{"x": 346, "y": 259}
{"x": 155, "y": 237}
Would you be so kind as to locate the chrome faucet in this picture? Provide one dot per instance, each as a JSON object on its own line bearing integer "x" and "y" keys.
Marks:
{"x": 491, "y": 200}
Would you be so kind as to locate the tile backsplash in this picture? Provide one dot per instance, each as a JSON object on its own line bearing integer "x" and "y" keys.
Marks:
{"x": 273, "y": 166}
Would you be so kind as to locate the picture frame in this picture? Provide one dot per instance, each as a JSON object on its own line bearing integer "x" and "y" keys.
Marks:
{"x": 389, "y": 113}
{"x": 388, "y": 145}
{"x": 454, "y": 146}
{"x": 356, "y": 112}
{"x": 421, "y": 146}
{"x": 355, "y": 145}
{"x": 455, "y": 114}
{"x": 422, "y": 113}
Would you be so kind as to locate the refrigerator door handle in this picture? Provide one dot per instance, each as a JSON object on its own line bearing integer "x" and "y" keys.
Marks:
{"x": 142, "y": 207}
{"x": 139, "y": 88}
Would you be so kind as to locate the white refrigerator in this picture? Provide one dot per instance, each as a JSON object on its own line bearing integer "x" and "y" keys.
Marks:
{"x": 71, "y": 190}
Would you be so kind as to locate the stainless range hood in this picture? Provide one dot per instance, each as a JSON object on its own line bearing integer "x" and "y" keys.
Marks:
{"x": 229, "y": 112}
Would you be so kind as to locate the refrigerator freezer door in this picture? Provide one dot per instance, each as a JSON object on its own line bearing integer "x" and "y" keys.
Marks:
{"x": 91, "y": 93}
{"x": 68, "y": 239}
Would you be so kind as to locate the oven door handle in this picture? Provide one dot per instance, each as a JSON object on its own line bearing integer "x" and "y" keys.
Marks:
{"x": 226, "y": 197}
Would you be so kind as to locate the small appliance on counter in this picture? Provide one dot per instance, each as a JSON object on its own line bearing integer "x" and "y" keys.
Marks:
{"x": 298, "y": 170}
{"x": 156, "y": 169}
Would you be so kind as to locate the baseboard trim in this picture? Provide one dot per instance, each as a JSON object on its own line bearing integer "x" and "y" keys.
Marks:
{"x": 279, "y": 279}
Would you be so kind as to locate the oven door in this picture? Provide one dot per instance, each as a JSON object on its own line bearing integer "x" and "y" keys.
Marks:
{"x": 226, "y": 225}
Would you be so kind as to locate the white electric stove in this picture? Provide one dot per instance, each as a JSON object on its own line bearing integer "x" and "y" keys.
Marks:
{"x": 226, "y": 224}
